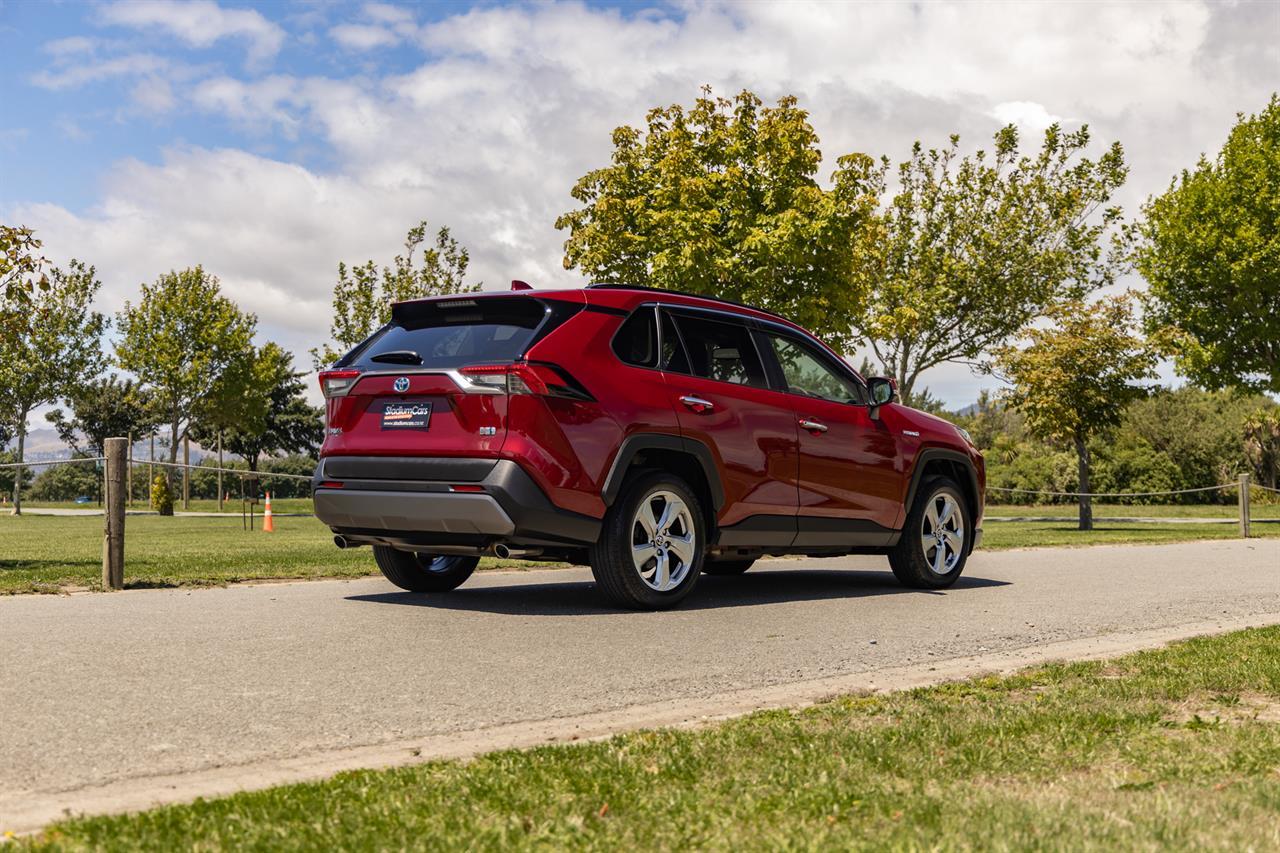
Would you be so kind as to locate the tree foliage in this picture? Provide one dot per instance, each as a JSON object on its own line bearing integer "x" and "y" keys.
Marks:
{"x": 972, "y": 249}
{"x": 68, "y": 482}
{"x": 274, "y": 415}
{"x": 52, "y": 342}
{"x": 22, "y": 267}
{"x": 101, "y": 408}
{"x": 1211, "y": 253}
{"x": 1075, "y": 377}
{"x": 721, "y": 199}
{"x": 363, "y": 295}
{"x": 187, "y": 344}
{"x": 1262, "y": 443}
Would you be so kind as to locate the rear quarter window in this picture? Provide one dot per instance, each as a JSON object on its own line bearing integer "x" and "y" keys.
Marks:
{"x": 636, "y": 341}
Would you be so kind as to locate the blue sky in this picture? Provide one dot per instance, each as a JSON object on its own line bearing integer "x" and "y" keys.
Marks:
{"x": 270, "y": 141}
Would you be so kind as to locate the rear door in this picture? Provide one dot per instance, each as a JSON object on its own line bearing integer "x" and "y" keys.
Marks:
{"x": 722, "y": 398}
{"x": 418, "y": 386}
{"x": 850, "y": 469}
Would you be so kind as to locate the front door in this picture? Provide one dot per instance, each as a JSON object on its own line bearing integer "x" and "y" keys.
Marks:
{"x": 850, "y": 472}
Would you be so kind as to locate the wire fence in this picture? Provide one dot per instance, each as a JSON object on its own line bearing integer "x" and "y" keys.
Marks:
{"x": 1221, "y": 487}
{"x": 117, "y": 481}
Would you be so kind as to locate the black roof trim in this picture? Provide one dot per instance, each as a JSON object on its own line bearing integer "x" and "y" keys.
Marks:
{"x": 641, "y": 287}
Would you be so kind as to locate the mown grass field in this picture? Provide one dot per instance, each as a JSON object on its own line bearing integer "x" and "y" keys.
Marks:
{"x": 286, "y": 505}
{"x": 1172, "y": 749}
{"x": 1257, "y": 510}
{"x": 40, "y": 553}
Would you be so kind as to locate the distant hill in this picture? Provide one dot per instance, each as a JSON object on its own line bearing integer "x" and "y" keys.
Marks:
{"x": 44, "y": 445}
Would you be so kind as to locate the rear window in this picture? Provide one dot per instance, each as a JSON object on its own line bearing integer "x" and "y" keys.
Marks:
{"x": 451, "y": 333}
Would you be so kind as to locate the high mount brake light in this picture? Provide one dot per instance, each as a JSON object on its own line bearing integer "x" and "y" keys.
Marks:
{"x": 337, "y": 383}
{"x": 542, "y": 380}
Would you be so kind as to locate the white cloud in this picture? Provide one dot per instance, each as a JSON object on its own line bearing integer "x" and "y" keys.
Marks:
{"x": 199, "y": 23}
{"x": 387, "y": 26}
{"x": 1025, "y": 114}
{"x": 74, "y": 75}
{"x": 509, "y": 106}
{"x": 153, "y": 95}
{"x": 69, "y": 46}
{"x": 363, "y": 36}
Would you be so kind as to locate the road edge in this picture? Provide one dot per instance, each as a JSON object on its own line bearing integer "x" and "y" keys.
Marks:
{"x": 27, "y": 812}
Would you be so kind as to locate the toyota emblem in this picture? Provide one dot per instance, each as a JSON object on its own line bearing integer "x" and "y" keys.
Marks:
{"x": 402, "y": 384}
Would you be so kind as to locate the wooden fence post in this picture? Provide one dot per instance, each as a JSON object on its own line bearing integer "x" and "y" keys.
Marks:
{"x": 1244, "y": 506}
{"x": 116, "y": 451}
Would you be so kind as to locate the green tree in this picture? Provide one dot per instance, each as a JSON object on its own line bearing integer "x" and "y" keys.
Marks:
{"x": 1262, "y": 444}
{"x": 187, "y": 343}
{"x": 363, "y": 295}
{"x": 67, "y": 482}
{"x": 10, "y": 477}
{"x": 1211, "y": 253}
{"x": 1201, "y": 432}
{"x": 277, "y": 416}
{"x": 971, "y": 250}
{"x": 52, "y": 344}
{"x": 102, "y": 408}
{"x": 721, "y": 199}
{"x": 22, "y": 268}
{"x": 1075, "y": 377}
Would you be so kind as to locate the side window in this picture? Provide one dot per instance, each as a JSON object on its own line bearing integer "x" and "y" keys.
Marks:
{"x": 636, "y": 341}
{"x": 721, "y": 350}
{"x": 674, "y": 358}
{"x": 809, "y": 374}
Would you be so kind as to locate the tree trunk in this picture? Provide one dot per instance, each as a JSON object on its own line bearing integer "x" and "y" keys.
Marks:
{"x": 1086, "y": 502}
{"x": 17, "y": 472}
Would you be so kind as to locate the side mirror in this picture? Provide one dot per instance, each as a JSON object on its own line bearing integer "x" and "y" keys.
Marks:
{"x": 883, "y": 390}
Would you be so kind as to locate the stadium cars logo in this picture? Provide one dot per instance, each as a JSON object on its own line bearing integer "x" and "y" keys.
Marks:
{"x": 402, "y": 384}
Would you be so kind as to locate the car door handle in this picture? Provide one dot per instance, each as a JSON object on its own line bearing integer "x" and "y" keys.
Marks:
{"x": 697, "y": 404}
{"x": 812, "y": 425}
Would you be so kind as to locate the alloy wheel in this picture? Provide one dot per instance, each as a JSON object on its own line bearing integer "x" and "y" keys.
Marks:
{"x": 663, "y": 540}
{"x": 942, "y": 534}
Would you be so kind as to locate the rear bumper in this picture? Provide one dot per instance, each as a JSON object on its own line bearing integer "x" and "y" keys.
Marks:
{"x": 424, "y": 512}
{"x": 408, "y": 500}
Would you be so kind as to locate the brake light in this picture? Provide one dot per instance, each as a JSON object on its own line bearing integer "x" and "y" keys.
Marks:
{"x": 337, "y": 383}
{"x": 542, "y": 380}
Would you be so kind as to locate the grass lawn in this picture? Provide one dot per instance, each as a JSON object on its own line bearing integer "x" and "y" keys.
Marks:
{"x": 1171, "y": 749}
{"x": 1000, "y": 535}
{"x": 41, "y": 553}
{"x": 197, "y": 505}
{"x": 1256, "y": 510}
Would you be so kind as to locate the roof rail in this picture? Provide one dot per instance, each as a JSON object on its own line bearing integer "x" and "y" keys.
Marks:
{"x": 607, "y": 286}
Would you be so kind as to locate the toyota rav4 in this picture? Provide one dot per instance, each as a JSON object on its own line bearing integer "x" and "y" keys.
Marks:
{"x": 652, "y": 435}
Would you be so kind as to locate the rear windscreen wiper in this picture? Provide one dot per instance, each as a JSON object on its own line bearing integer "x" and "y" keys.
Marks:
{"x": 398, "y": 356}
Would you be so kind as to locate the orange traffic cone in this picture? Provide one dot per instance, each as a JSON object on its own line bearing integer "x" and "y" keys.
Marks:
{"x": 268, "y": 526}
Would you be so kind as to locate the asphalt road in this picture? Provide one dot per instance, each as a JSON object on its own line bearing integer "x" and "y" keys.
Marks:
{"x": 100, "y": 689}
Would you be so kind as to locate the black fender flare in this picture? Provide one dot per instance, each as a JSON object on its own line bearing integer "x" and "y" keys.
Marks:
{"x": 928, "y": 455}
{"x": 641, "y": 441}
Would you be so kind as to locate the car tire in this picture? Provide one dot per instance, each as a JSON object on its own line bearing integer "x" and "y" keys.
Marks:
{"x": 925, "y": 558}
{"x": 727, "y": 567}
{"x": 423, "y": 572}
{"x": 637, "y": 562}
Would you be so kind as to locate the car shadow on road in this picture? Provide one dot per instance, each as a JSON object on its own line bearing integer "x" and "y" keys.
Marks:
{"x": 575, "y": 598}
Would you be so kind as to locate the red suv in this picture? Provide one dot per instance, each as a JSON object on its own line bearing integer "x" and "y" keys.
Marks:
{"x": 650, "y": 434}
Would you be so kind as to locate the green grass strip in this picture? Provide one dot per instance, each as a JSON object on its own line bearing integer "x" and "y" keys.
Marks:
{"x": 1171, "y": 749}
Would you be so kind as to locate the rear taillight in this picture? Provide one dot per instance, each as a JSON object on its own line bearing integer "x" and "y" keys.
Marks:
{"x": 337, "y": 383}
{"x": 543, "y": 380}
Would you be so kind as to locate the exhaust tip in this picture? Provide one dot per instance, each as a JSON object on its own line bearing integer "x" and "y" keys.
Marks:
{"x": 341, "y": 542}
{"x": 502, "y": 551}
